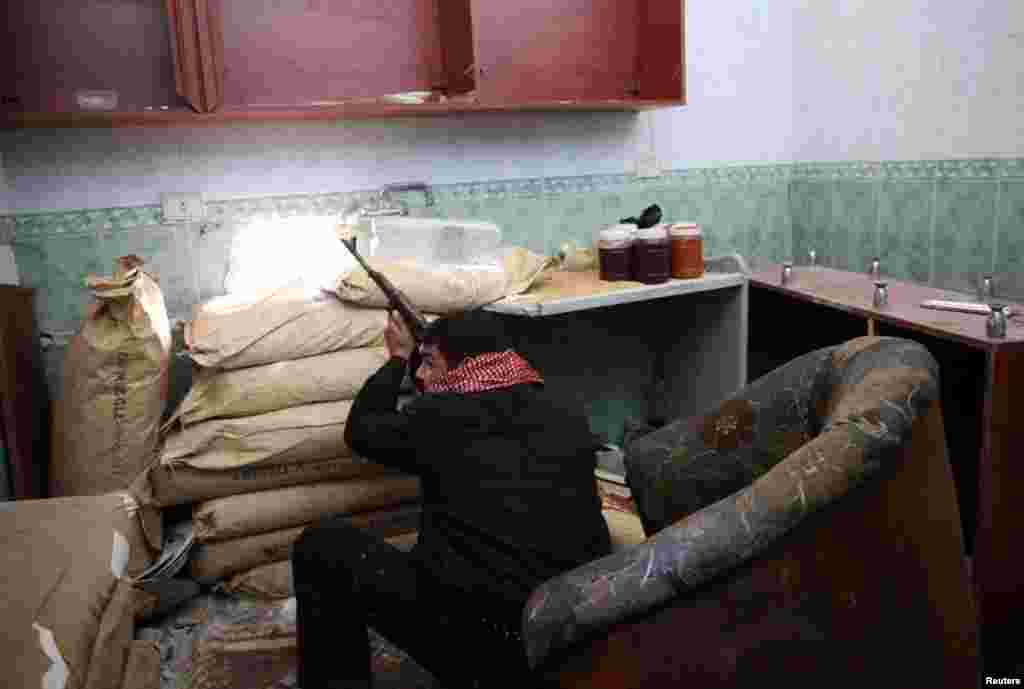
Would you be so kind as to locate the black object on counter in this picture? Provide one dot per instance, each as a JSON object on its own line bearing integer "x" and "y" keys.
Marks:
{"x": 649, "y": 218}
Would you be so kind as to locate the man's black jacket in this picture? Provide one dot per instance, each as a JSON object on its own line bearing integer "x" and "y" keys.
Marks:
{"x": 506, "y": 476}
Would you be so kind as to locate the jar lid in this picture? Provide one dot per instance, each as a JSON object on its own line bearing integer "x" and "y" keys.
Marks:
{"x": 685, "y": 229}
{"x": 656, "y": 232}
{"x": 617, "y": 233}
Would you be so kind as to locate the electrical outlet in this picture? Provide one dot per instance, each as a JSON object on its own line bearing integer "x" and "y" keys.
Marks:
{"x": 182, "y": 207}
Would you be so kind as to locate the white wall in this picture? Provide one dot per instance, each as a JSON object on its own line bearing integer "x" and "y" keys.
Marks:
{"x": 740, "y": 87}
{"x": 67, "y": 169}
{"x": 908, "y": 79}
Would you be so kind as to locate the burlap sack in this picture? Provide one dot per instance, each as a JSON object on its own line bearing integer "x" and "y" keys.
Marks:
{"x": 114, "y": 386}
{"x": 68, "y": 598}
{"x": 445, "y": 291}
{"x": 272, "y": 510}
{"x": 212, "y": 562}
{"x": 164, "y": 486}
{"x": 143, "y": 668}
{"x": 274, "y": 581}
{"x": 271, "y": 387}
{"x": 288, "y": 323}
{"x": 291, "y": 436}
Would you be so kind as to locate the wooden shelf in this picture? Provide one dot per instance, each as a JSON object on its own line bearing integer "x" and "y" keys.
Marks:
{"x": 355, "y": 111}
{"x": 567, "y": 291}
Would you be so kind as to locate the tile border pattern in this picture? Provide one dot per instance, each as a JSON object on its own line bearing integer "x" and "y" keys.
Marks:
{"x": 39, "y": 225}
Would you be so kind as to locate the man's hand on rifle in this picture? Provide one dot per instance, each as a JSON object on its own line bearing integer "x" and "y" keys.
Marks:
{"x": 397, "y": 337}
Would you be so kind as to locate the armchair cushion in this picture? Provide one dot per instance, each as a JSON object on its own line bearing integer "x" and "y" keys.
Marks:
{"x": 717, "y": 490}
{"x": 695, "y": 462}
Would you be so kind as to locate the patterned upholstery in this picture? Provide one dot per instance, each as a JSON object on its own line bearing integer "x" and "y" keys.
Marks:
{"x": 716, "y": 490}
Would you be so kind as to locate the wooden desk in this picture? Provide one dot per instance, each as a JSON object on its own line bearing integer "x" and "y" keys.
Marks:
{"x": 981, "y": 376}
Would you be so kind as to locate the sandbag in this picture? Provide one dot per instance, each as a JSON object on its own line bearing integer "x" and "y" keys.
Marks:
{"x": 114, "y": 386}
{"x": 163, "y": 486}
{"x": 288, "y": 323}
{"x": 68, "y": 598}
{"x": 445, "y": 291}
{"x": 289, "y": 436}
{"x": 274, "y": 581}
{"x": 212, "y": 562}
{"x": 271, "y": 510}
{"x": 271, "y": 387}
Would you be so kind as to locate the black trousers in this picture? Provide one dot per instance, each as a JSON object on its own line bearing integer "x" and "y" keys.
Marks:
{"x": 347, "y": 579}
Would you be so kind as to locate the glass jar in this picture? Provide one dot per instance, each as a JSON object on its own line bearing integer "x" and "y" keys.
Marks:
{"x": 614, "y": 252}
{"x": 687, "y": 251}
{"x": 651, "y": 255}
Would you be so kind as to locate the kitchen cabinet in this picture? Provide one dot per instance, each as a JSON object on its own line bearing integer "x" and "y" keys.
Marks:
{"x": 213, "y": 61}
{"x": 23, "y": 403}
{"x": 72, "y": 56}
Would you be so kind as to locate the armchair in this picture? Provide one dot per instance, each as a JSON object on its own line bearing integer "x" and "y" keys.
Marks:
{"x": 806, "y": 532}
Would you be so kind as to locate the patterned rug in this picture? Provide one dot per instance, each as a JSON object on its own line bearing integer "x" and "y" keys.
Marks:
{"x": 217, "y": 640}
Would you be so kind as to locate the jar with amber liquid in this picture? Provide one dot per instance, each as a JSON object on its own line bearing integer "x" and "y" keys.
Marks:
{"x": 687, "y": 244}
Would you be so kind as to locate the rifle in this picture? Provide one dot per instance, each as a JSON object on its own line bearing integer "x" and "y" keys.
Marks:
{"x": 413, "y": 318}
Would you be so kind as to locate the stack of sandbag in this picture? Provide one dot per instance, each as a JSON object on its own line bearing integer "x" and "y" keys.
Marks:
{"x": 70, "y": 600}
{"x": 114, "y": 385}
{"x": 257, "y": 445}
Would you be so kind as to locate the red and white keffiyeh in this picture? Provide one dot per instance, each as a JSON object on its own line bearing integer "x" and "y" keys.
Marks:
{"x": 489, "y": 371}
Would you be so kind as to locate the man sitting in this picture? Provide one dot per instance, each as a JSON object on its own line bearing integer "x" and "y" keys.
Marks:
{"x": 508, "y": 501}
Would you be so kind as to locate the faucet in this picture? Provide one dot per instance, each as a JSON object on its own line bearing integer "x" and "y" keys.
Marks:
{"x": 383, "y": 205}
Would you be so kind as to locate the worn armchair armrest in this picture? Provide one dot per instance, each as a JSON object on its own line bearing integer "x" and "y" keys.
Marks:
{"x": 592, "y": 598}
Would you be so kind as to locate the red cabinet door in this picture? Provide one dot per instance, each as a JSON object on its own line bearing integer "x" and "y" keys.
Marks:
{"x": 295, "y": 53}
{"x": 74, "y": 55}
{"x": 556, "y": 49}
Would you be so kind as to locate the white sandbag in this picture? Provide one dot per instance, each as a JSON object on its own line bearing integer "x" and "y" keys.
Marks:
{"x": 290, "y": 436}
{"x": 270, "y": 510}
{"x": 236, "y": 331}
{"x": 272, "y": 387}
{"x": 445, "y": 290}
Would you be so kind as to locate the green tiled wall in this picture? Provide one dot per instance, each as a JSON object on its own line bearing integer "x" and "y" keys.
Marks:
{"x": 943, "y": 223}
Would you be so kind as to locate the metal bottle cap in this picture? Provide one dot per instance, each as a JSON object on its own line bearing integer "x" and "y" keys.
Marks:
{"x": 996, "y": 324}
{"x": 881, "y": 297}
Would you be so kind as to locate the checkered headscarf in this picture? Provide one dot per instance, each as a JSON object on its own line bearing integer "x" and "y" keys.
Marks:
{"x": 488, "y": 371}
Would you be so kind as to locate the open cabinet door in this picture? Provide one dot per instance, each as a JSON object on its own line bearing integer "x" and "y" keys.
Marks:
{"x": 198, "y": 45}
{"x": 578, "y": 50}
